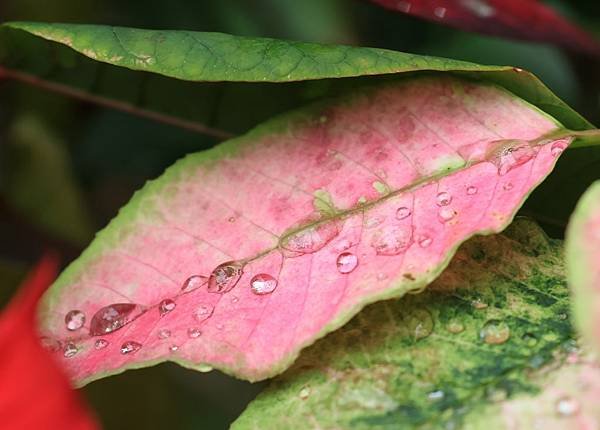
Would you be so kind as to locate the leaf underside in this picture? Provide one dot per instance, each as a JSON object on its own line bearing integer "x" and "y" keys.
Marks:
{"x": 395, "y": 177}
{"x": 487, "y": 346}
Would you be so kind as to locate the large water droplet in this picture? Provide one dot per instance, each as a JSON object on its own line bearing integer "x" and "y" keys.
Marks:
{"x": 512, "y": 154}
{"x": 494, "y": 332}
{"x": 113, "y": 317}
{"x": 166, "y": 306}
{"x": 193, "y": 282}
{"x": 425, "y": 241}
{"x": 100, "y": 344}
{"x": 225, "y": 277}
{"x": 446, "y": 214}
{"x": 263, "y": 283}
{"x": 194, "y": 332}
{"x": 74, "y": 320}
{"x": 420, "y": 323}
{"x": 557, "y": 148}
{"x": 310, "y": 239}
{"x": 402, "y": 213}
{"x": 164, "y": 333}
{"x": 70, "y": 350}
{"x": 472, "y": 190}
{"x": 203, "y": 312}
{"x": 455, "y": 326}
{"x": 392, "y": 240}
{"x": 567, "y": 406}
{"x": 346, "y": 262}
{"x": 443, "y": 199}
{"x": 130, "y": 347}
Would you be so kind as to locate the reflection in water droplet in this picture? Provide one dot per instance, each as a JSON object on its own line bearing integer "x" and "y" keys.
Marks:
{"x": 70, "y": 350}
{"x": 512, "y": 154}
{"x": 446, "y": 214}
{"x": 100, "y": 344}
{"x": 530, "y": 339}
{"x": 166, "y": 306}
{"x": 346, "y": 262}
{"x": 402, "y": 212}
{"x": 173, "y": 348}
{"x": 164, "y": 333}
{"x": 443, "y": 199}
{"x": 74, "y": 320}
{"x": 130, "y": 347}
{"x": 263, "y": 283}
{"x": 304, "y": 393}
{"x": 566, "y": 406}
{"x": 392, "y": 240}
{"x": 194, "y": 332}
{"x": 203, "y": 312}
{"x": 494, "y": 332}
{"x": 508, "y": 186}
{"x": 558, "y": 148}
{"x": 479, "y": 304}
{"x": 310, "y": 239}
{"x": 224, "y": 277}
{"x": 471, "y": 190}
{"x": 425, "y": 241}
{"x": 113, "y": 317}
{"x": 455, "y": 326}
{"x": 436, "y": 395}
{"x": 193, "y": 282}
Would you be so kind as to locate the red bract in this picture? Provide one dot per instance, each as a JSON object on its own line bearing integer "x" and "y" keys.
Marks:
{"x": 520, "y": 19}
{"x": 35, "y": 394}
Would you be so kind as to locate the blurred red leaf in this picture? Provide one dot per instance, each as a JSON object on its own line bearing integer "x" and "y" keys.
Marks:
{"x": 35, "y": 393}
{"x": 520, "y": 19}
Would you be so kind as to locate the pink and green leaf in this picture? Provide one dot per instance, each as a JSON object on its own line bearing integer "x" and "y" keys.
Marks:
{"x": 342, "y": 203}
{"x": 583, "y": 264}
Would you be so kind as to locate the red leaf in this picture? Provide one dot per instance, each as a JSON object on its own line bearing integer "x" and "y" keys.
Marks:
{"x": 35, "y": 394}
{"x": 520, "y": 19}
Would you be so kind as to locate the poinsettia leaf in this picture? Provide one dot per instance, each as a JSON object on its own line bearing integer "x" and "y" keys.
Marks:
{"x": 521, "y": 19}
{"x": 471, "y": 352}
{"x": 197, "y": 56}
{"x": 240, "y": 256}
{"x": 583, "y": 264}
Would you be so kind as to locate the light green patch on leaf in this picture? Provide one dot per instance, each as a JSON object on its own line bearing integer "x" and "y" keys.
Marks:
{"x": 435, "y": 360}
{"x": 323, "y": 203}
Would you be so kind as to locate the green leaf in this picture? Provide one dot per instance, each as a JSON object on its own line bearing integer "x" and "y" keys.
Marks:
{"x": 216, "y": 57}
{"x": 451, "y": 357}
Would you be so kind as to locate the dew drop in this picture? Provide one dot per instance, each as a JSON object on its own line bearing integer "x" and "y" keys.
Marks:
{"x": 436, "y": 395}
{"x": 443, "y": 199}
{"x": 403, "y": 6}
{"x": 224, "y": 277}
{"x": 455, "y": 326}
{"x": 425, "y": 241}
{"x": 446, "y": 214}
{"x": 346, "y": 262}
{"x": 194, "y": 332}
{"x": 100, "y": 344}
{"x": 113, "y": 317}
{"x": 530, "y": 339}
{"x": 567, "y": 406}
{"x": 557, "y": 148}
{"x": 479, "y": 304}
{"x": 304, "y": 393}
{"x": 74, "y": 320}
{"x": 164, "y": 333}
{"x": 203, "y": 312}
{"x": 420, "y": 323}
{"x": 494, "y": 332}
{"x": 166, "y": 306}
{"x": 193, "y": 282}
{"x": 130, "y": 347}
{"x": 402, "y": 213}
{"x": 508, "y": 186}
{"x": 263, "y": 283}
{"x": 235, "y": 299}
{"x": 480, "y": 8}
{"x": 512, "y": 154}
{"x": 231, "y": 219}
{"x": 440, "y": 12}
{"x": 472, "y": 190}
{"x": 310, "y": 239}
{"x": 70, "y": 350}
{"x": 173, "y": 348}
{"x": 392, "y": 240}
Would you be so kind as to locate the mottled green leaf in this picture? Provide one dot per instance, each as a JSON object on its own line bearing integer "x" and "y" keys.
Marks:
{"x": 451, "y": 357}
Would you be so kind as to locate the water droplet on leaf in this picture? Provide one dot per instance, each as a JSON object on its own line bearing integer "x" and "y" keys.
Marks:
{"x": 494, "y": 332}
{"x": 443, "y": 199}
{"x": 113, "y": 317}
{"x": 224, "y": 277}
{"x": 203, "y": 312}
{"x": 446, "y": 214}
{"x": 173, "y": 348}
{"x": 512, "y": 154}
{"x": 100, "y": 344}
{"x": 567, "y": 406}
{"x": 478, "y": 304}
{"x": 455, "y": 326}
{"x": 440, "y": 12}
{"x": 557, "y": 148}
{"x": 508, "y": 186}
{"x": 436, "y": 395}
{"x": 74, "y": 320}
{"x": 310, "y": 239}
{"x": 166, "y": 306}
{"x": 471, "y": 190}
{"x": 402, "y": 212}
{"x": 530, "y": 339}
{"x": 420, "y": 323}
{"x": 263, "y": 283}
{"x": 425, "y": 241}
{"x": 392, "y": 240}
{"x": 304, "y": 393}
{"x": 194, "y": 332}
{"x": 70, "y": 350}
{"x": 193, "y": 282}
{"x": 346, "y": 262}
{"x": 130, "y": 347}
{"x": 164, "y": 333}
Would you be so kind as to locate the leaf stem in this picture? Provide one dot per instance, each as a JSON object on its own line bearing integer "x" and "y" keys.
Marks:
{"x": 113, "y": 104}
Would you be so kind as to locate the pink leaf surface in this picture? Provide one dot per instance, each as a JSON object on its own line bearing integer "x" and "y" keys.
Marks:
{"x": 583, "y": 264}
{"x": 521, "y": 19}
{"x": 282, "y": 235}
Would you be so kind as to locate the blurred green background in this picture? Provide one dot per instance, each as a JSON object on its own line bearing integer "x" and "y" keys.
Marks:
{"x": 66, "y": 166}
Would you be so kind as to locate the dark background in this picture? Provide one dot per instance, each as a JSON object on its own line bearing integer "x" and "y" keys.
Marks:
{"x": 66, "y": 166}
